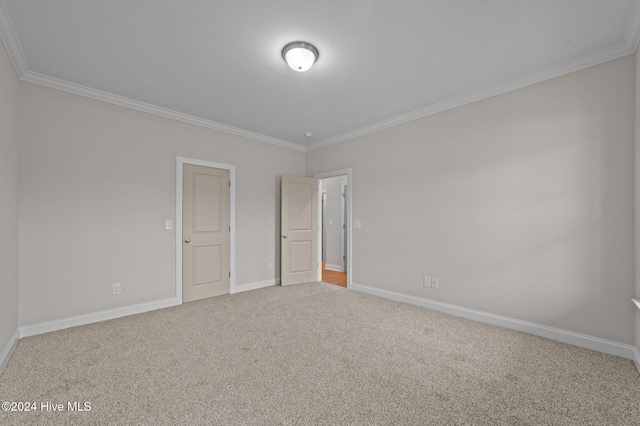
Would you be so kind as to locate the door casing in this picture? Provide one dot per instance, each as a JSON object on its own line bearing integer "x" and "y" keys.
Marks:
{"x": 180, "y": 162}
{"x": 344, "y": 223}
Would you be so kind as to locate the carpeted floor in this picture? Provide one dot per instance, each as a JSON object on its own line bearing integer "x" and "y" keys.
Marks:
{"x": 313, "y": 354}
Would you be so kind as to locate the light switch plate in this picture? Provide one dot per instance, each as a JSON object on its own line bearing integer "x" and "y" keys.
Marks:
{"x": 357, "y": 224}
{"x": 168, "y": 224}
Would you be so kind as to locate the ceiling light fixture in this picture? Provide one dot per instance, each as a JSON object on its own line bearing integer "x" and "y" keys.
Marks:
{"x": 300, "y": 55}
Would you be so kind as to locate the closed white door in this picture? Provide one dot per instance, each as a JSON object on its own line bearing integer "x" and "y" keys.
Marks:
{"x": 299, "y": 229}
{"x": 205, "y": 232}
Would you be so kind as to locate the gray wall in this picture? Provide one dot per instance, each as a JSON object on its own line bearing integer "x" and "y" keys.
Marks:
{"x": 521, "y": 204}
{"x": 8, "y": 199}
{"x": 97, "y": 182}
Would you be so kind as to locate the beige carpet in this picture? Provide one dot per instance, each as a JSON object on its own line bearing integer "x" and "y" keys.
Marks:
{"x": 314, "y": 354}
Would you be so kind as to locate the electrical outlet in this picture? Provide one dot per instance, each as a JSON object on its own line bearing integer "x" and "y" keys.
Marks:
{"x": 117, "y": 288}
{"x": 271, "y": 266}
{"x": 434, "y": 283}
{"x": 426, "y": 281}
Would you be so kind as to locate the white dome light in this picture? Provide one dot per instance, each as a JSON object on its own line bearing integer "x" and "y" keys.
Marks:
{"x": 300, "y": 56}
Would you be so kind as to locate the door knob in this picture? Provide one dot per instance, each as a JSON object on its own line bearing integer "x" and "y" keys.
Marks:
{"x": 187, "y": 240}
{"x": 284, "y": 236}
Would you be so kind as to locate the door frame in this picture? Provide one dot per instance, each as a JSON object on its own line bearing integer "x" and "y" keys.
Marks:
{"x": 341, "y": 172}
{"x": 180, "y": 162}
{"x": 323, "y": 198}
{"x": 343, "y": 225}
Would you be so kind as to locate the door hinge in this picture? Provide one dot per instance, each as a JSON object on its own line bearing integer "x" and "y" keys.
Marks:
{"x": 229, "y": 184}
{"x": 229, "y": 274}
{"x": 229, "y": 228}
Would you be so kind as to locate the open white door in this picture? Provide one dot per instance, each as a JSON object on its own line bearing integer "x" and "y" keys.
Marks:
{"x": 299, "y": 229}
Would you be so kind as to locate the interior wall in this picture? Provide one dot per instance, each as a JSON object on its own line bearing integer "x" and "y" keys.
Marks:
{"x": 9, "y": 199}
{"x": 521, "y": 204}
{"x": 332, "y": 186}
{"x": 97, "y": 182}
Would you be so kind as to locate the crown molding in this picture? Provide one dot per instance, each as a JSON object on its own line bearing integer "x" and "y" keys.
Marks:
{"x": 16, "y": 54}
{"x": 54, "y": 83}
{"x": 599, "y": 57}
{"x": 10, "y": 39}
{"x": 632, "y": 35}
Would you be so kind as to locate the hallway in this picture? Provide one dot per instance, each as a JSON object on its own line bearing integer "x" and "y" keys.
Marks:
{"x": 334, "y": 277}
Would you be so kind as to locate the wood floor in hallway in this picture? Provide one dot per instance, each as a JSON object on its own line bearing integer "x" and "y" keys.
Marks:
{"x": 334, "y": 277}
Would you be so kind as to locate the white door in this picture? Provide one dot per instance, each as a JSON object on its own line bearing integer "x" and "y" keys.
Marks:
{"x": 205, "y": 232}
{"x": 299, "y": 229}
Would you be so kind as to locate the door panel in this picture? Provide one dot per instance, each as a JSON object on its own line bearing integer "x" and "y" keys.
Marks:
{"x": 299, "y": 227}
{"x": 205, "y": 232}
{"x": 301, "y": 252}
{"x": 207, "y": 263}
{"x": 207, "y": 214}
{"x": 301, "y": 214}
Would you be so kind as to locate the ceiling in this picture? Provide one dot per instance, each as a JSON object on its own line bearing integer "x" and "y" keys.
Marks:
{"x": 218, "y": 63}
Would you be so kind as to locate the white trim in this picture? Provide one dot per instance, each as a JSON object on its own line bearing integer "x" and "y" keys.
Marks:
{"x": 480, "y": 94}
{"x": 564, "y": 336}
{"x": 322, "y": 209}
{"x": 16, "y": 54}
{"x": 343, "y": 225}
{"x": 48, "y": 326}
{"x": 636, "y": 302}
{"x": 18, "y": 58}
{"x": 348, "y": 172}
{"x": 8, "y": 350}
{"x": 11, "y": 42}
{"x": 483, "y": 93}
{"x": 636, "y": 358}
{"x": 632, "y": 35}
{"x": 65, "y": 86}
{"x": 180, "y": 162}
{"x": 320, "y": 215}
{"x": 331, "y": 267}
{"x": 255, "y": 286}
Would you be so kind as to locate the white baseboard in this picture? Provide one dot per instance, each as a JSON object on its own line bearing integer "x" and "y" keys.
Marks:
{"x": 330, "y": 267}
{"x": 8, "y": 350}
{"x": 255, "y": 286}
{"x": 48, "y": 326}
{"x": 564, "y": 336}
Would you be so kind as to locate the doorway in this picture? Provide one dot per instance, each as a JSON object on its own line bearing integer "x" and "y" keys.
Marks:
{"x": 335, "y": 230}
